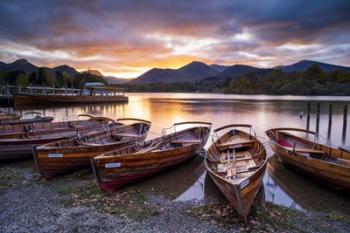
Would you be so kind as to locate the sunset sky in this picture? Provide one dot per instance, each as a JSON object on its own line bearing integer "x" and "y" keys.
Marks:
{"x": 126, "y": 38}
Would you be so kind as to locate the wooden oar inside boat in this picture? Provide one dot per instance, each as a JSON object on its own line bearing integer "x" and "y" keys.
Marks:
{"x": 236, "y": 162}
{"x": 324, "y": 163}
{"x": 132, "y": 163}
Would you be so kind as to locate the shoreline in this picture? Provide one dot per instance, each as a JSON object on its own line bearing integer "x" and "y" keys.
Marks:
{"x": 73, "y": 203}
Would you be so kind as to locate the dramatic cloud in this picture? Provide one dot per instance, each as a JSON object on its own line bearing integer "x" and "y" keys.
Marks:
{"x": 126, "y": 38}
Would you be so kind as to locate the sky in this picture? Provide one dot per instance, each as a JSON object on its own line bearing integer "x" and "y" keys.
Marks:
{"x": 127, "y": 38}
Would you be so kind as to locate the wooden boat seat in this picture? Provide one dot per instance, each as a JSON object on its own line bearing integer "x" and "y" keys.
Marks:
{"x": 232, "y": 160}
{"x": 304, "y": 150}
{"x": 124, "y": 135}
{"x": 96, "y": 144}
{"x": 244, "y": 159}
{"x": 149, "y": 148}
{"x": 90, "y": 144}
{"x": 251, "y": 169}
{"x": 235, "y": 145}
{"x": 186, "y": 141}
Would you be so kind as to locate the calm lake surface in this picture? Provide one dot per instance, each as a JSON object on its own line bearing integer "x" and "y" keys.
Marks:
{"x": 189, "y": 181}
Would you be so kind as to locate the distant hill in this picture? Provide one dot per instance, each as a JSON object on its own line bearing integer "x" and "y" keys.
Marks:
{"x": 94, "y": 72}
{"x": 64, "y": 68}
{"x": 237, "y": 70}
{"x": 19, "y": 65}
{"x": 27, "y": 67}
{"x": 219, "y": 68}
{"x": 113, "y": 80}
{"x": 305, "y": 64}
{"x": 156, "y": 75}
{"x": 194, "y": 71}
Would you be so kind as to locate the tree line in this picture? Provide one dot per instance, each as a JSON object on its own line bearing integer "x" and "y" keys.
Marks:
{"x": 45, "y": 77}
{"x": 313, "y": 81}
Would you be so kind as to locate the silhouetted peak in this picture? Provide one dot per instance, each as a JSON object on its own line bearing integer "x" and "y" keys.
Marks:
{"x": 21, "y": 62}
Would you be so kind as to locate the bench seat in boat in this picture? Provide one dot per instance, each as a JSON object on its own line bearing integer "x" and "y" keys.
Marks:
{"x": 235, "y": 145}
{"x": 184, "y": 141}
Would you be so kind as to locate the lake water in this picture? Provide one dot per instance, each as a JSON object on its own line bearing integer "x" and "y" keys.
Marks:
{"x": 189, "y": 181}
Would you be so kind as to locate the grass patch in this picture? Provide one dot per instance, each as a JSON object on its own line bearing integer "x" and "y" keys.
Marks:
{"x": 125, "y": 203}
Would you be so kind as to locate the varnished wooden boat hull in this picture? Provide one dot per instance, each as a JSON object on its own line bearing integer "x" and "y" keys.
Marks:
{"x": 9, "y": 117}
{"x": 72, "y": 154}
{"x": 241, "y": 198}
{"x": 239, "y": 192}
{"x": 72, "y": 160}
{"x": 27, "y": 121}
{"x": 130, "y": 164}
{"x": 20, "y": 149}
{"x": 30, "y": 100}
{"x": 41, "y": 128}
{"x": 135, "y": 168}
{"x": 338, "y": 178}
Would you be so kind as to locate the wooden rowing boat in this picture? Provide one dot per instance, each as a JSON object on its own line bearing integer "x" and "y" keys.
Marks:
{"x": 236, "y": 162}
{"x": 18, "y": 130}
{"x": 326, "y": 164}
{"x": 5, "y": 116}
{"x": 72, "y": 154}
{"x": 19, "y": 145}
{"x": 130, "y": 164}
{"x": 24, "y": 121}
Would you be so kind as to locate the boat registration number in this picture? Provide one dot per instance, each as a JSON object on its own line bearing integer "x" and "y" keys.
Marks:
{"x": 112, "y": 165}
{"x": 55, "y": 155}
{"x": 244, "y": 183}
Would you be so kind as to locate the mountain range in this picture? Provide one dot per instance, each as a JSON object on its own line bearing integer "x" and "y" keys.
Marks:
{"x": 27, "y": 67}
{"x": 197, "y": 71}
{"x": 192, "y": 72}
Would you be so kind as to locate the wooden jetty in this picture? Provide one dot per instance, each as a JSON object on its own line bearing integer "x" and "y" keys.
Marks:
{"x": 46, "y": 96}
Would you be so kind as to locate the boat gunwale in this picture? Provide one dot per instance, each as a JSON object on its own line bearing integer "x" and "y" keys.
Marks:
{"x": 308, "y": 141}
{"x": 72, "y": 149}
{"x": 110, "y": 155}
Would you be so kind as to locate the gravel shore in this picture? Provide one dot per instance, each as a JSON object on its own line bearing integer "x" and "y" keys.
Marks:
{"x": 73, "y": 203}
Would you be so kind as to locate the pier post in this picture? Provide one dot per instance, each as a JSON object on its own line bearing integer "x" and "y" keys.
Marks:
{"x": 330, "y": 115}
{"x": 318, "y": 117}
{"x": 345, "y": 118}
{"x": 308, "y": 115}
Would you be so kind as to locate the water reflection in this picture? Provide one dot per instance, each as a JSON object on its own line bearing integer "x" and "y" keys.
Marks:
{"x": 286, "y": 187}
{"x": 183, "y": 183}
{"x": 189, "y": 181}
